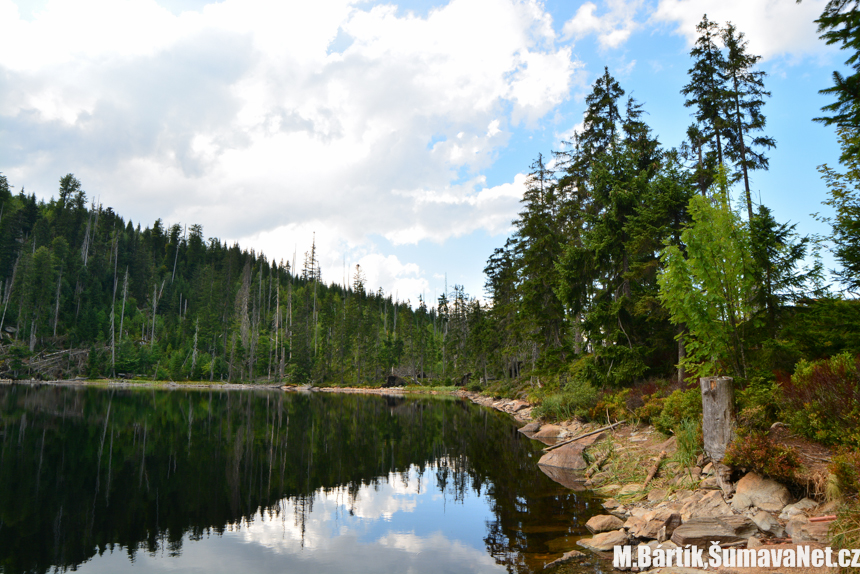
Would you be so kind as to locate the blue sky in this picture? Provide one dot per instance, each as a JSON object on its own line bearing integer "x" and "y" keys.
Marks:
{"x": 396, "y": 134}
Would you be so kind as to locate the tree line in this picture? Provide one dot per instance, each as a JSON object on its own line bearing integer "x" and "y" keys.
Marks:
{"x": 628, "y": 261}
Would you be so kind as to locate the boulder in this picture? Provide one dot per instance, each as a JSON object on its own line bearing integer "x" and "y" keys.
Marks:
{"x": 603, "y": 523}
{"x": 706, "y": 504}
{"x": 653, "y": 528}
{"x": 530, "y": 428}
{"x": 568, "y": 456}
{"x": 800, "y": 529}
{"x": 800, "y": 507}
{"x": 703, "y": 531}
{"x": 763, "y": 493}
{"x": 768, "y": 524}
{"x": 657, "y": 494}
{"x": 549, "y": 431}
{"x": 605, "y": 541}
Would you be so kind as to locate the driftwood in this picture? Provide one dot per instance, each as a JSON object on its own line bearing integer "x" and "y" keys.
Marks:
{"x": 827, "y": 518}
{"x": 653, "y": 471}
{"x": 598, "y": 463}
{"x": 555, "y": 446}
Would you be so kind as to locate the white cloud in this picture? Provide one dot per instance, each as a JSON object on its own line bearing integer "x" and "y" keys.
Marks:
{"x": 773, "y": 27}
{"x": 238, "y": 117}
{"x": 613, "y": 28}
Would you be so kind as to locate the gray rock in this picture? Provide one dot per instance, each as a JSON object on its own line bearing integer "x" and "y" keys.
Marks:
{"x": 763, "y": 493}
{"x": 532, "y": 427}
{"x": 800, "y": 507}
{"x": 768, "y": 524}
{"x": 549, "y": 431}
{"x": 568, "y": 456}
{"x": 603, "y": 523}
{"x": 800, "y": 529}
{"x": 605, "y": 541}
{"x": 708, "y": 504}
{"x": 705, "y": 530}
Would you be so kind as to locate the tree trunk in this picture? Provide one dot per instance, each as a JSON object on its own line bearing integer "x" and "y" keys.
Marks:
{"x": 718, "y": 420}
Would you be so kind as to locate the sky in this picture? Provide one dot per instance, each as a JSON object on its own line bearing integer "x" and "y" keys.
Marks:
{"x": 395, "y": 135}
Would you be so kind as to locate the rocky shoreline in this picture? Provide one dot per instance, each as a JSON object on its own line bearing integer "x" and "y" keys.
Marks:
{"x": 681, "y": 506}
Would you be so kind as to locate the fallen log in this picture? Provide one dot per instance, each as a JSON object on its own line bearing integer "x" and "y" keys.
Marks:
{"x": 555, "y": 446}
{"x": 654, "y": 468}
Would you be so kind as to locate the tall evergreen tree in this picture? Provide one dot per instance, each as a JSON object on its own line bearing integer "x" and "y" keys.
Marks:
{"x": 746, "y": 95}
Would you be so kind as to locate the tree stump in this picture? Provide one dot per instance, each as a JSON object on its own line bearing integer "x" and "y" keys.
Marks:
{"x": 718, "y": 425}
{"x": 718, "y": 416}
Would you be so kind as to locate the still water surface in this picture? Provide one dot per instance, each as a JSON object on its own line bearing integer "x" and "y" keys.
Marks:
{"x": 117, "y": 481}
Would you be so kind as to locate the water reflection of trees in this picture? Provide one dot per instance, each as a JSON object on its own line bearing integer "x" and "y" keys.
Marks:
{"x": 85, "y": 470}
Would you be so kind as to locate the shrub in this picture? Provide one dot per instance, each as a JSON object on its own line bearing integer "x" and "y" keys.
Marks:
{"x": 612, "y": 405}
{"x": 754, "y": 451}
{"x": 756, "y": 405}
{"x": 822, "y": 400}
{"x": 652, "y": 406}
{"x": 575, "y": 401}
{"x": 678, "y": 406}
{"x": 845, "y": 466}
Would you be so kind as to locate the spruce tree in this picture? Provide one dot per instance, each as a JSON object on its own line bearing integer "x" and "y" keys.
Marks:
{"x": 746, "y": 95}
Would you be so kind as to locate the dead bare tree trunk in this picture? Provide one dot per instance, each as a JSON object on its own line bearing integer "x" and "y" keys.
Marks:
{"x": 718, "y": 424}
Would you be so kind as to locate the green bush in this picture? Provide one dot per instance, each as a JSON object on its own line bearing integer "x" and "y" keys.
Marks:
{"x": 757, "y": 408}
{"x": 677, "y": 407}
{"x": 846, "y": 468}
{"x": 754, "y": 451}
{"x": 575, "y": 401}
{"x": 612, "y": 405}
{"x": 822, "y": 400}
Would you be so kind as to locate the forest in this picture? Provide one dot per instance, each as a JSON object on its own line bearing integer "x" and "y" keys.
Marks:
{"x": 631, "y": 263}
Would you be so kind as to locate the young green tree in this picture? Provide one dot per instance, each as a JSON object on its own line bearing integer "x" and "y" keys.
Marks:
{"x": 711, "y": 288}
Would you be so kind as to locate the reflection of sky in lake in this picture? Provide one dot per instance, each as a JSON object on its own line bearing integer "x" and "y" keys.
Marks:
{"x": 405, "y": 523}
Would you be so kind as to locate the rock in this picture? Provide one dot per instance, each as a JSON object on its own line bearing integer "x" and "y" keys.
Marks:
{"x": 652, "y": 528}
{"x": 705, "y": 530}
{"x": 603, "y": 523}
{"x": 608, "y": 488}
{"x": 710, "y": 483}
{"x": 517, "y": 406}
{"x": 630, "y": 489}
{"x": 605, "y": 541}
{"x": 710, "y": 504}
{"x": 549, "y": 431}
{"x": 799, "y": 507}
{"x": 610, "y": 504}
{"x": 567, "y": 557}
{"x": 657, "y": 494}
{"x": 709, "y": 469}
{"x": 668, "y": 545}
{"x": 800, "y": 529}
{"x": 763, "y": 493}
{"x": 634, "y": 524}
{"x": 753, "y": 542}
{"x": 768, "y": 524}
{"x": 568, "y": 456}
{"x": 532, "y": 427}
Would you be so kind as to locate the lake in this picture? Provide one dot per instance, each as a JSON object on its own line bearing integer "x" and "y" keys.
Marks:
{"x": 142, "y": 480}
